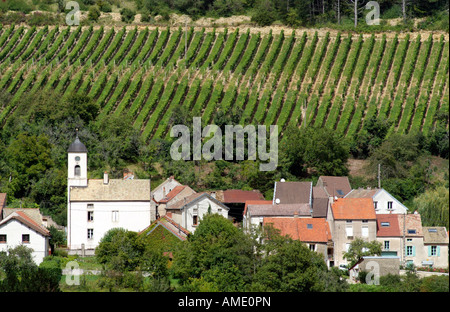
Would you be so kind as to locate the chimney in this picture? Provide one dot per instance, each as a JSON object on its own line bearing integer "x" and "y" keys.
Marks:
{"x": 213, "y": 194}
{"x": 105, "y": 178}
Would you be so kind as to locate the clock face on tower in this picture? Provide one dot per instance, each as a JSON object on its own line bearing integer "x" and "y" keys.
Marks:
{"x": 77, "y": 158}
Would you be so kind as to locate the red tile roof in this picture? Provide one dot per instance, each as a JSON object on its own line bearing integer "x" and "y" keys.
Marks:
{"x": 353, "y": 209}
{"x": 314, "y": 230}
{"x": 413, "y": 222}
{"x": 177, "y": 189}
{"x": 239, "y": 196}
{"x": 256, "y": 202}
{"x": 387, "y": 225}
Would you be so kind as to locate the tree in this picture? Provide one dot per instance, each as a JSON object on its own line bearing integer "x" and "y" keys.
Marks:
{"x": 433, "y": 207}
{"x": 360, "y": 248}
{"x": 265, "y": 13}
{"x": 93, "y": 13}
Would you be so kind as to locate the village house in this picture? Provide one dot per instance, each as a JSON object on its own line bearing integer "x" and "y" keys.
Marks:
{"x": 177, "y": 193}
{"x": 411, "y": 229}
{"x": 350, "y": 218}
{"x": 255, "y": 214}
{"x": 236, "y": 199}
{"x": 97, "y": 205}
{"x": 389, "y": 235}
{"x": 314, "y": 232}
{"x": 383, "y": 202}
{"x": 161, "y": 191}
{"x": 435, "y": 240}
{"x": 18, "y": 228}
{"x": 189, "y": 211}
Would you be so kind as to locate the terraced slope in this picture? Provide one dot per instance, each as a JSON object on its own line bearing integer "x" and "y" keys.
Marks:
{"x": 300, "y": 79}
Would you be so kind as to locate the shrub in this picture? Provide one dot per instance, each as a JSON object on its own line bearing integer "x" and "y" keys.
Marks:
{"x": 94, "y": 13}
{"x": 127, "y": 15}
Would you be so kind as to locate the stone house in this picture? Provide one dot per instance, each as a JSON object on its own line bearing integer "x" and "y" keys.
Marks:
{"x": 435, "y": 240}
{"x": 350, "y": 218}
{"x": 314, "y": 232}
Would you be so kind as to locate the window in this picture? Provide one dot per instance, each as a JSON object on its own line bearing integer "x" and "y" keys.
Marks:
{"x": 90, "y": 216}
{"x": 340, "y": 192}
{"x": 90, "y": 206}
{"x": 2, "y": 238}
{"x": 90, "y": 233}
{"x": 309, "y": 226}
{"x": 365, "y": 231}
{"x": 219, "y": 210}
{"x": 411, "y": 231}
{"x": 347, "y": 247}
{"x": 194, "y": 220}
{"x": 312, "y": 247}
{"x": 25, "y": 238}
{"x": 115, "y": 216}
{"x": 77, "y": 158}
{"x": 385, "y": 224}
{"x": 432, "y": 230}
{"x": 365, "y": 221}
{"x": 389, "y": 205}
{"x": 77, "y": 171}
{"x": 386, "y": 245}
{"x": 349, "y": 230}
{"x": 409, "y": 250}
{"x": 409, "y": 239}
{"x": 375, "y": 205}
{"x": 434, "y": 250}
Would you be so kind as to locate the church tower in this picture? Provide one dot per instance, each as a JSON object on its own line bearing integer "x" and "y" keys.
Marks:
{"x": 77, "y": 163}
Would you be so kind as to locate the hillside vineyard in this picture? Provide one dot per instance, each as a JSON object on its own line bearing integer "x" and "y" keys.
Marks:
{"x": 304, "y": 79}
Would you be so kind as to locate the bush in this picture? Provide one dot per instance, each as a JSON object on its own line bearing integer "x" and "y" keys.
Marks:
{"x": 94, "y": 13}
{"x": 127, "y": 15}
{"x": 265, "y": 13}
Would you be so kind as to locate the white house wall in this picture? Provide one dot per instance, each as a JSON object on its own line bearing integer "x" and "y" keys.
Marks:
{"x": 382, "y": 198}
{"x": 202, "y": 209}
{"x": 14, "y": 231}
{"x": 132, "y": 216}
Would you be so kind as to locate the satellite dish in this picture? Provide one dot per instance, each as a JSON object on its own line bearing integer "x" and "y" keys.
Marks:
{"x": 282, "y": 180}
{"x": 277, "y": 201}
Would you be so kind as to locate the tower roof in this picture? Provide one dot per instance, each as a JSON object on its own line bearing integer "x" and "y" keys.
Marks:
{"x": 77, "y": 146}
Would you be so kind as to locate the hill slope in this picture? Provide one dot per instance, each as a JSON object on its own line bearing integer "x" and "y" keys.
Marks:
{"x": 304, "y": 79}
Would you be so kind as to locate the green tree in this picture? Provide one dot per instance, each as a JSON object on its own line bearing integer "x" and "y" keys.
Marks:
{"x": 360, "y": 248}
{"x": 433, "y": 206}
{"x": 265, "y": 13}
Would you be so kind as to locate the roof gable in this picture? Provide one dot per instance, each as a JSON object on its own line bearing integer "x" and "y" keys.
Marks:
{"x": 194, "y": 198}
{"x": 435, "y": 235}
{"x": 27, "y": 221}
{"x": 335, "y": 186}
{"x": 293, "y": 192}
{"x": 240, "y": 196}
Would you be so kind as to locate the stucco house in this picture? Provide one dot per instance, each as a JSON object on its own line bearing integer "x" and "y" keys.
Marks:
{"x": 435, "y": 240}
{"x": 189, "y": 211}
{"x": 383, "y": 202}
{"x": 19, "y": 229}
{"x": 411, "y": 229}
{"x": 350, "y": 218}
{"x": 160, "y": 192}
{"x": 314, "y": 232}
{"x": 95, "y": 206}
{"x": 389, "y": 235}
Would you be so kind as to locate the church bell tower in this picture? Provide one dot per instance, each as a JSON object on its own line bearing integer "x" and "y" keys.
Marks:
{"x": 77, "y": 163}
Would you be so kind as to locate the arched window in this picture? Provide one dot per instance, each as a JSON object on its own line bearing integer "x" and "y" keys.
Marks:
{"x": 77, "y": 171}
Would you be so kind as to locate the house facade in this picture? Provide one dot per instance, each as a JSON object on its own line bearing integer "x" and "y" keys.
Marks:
{"x": 160, "y": 192}
{"x": 435, "y": 240}
{"x": 19, "y": 229}
{"x": 189, "y": 211}
{"x": 97, "y": 205}
{"x": 350, "y": 218}
{"x": 176, "y": 194}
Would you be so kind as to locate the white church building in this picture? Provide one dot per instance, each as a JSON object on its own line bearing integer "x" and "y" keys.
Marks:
{"x": 95, "y": 206}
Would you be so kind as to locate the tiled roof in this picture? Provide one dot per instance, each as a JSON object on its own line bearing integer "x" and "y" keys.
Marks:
{"x": 336, "y": 186}
{"x": 177, "y": 189}
{"x": 169, "y": 225}
{"x": 435, "y": 235}
{"x": 279, "y": 210}
{"x": 387, "y": 225}
{"x": 115, "y": 190}
{"x": 362, "y": 193}
{"x": 413, "y": 222}
{"x": 24, "y": 219}
{"x": 353, "y": 209}
{"x": 33, "y": 213}
{"x": 180, "y": 203}
{"x": 256, "y": 202}
{"x": 314, "y": 230}
{"x": 319, "y": 202}
{"x": 239, "y": 196}
{"x": 293, "y": 192}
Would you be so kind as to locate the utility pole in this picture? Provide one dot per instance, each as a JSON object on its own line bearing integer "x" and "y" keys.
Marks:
{"x": 379, "y": 176}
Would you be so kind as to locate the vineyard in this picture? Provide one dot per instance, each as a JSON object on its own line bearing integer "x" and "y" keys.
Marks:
{"x": 323, "y": 80}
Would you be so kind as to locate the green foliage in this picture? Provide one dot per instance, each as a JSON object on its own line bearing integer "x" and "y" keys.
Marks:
{"x": 127, "y": 15}
{"x": 265, "y": 13}
{"x": 360, "y": 248}
{"x": 433, "y": 206}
